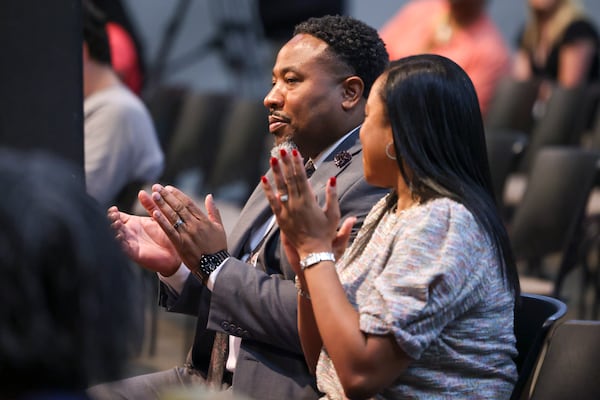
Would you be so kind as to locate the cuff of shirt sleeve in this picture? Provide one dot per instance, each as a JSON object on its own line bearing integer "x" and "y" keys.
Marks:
{"x": 212, "y": 278}
{"x": 177, "y": 280}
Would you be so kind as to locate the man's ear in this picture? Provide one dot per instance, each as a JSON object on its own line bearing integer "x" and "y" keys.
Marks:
{"x": 353, "y": 88}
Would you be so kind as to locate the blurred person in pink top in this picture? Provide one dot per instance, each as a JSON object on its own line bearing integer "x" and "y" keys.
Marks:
{"x": 458, "y": 29}
{"x": 125, "y": 60}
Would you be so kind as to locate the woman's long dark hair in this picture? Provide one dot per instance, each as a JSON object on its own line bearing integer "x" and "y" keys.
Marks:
{"x": 439, "y": 137}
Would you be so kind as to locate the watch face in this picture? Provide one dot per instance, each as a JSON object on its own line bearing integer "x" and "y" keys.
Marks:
{"x": 208, "y": 263}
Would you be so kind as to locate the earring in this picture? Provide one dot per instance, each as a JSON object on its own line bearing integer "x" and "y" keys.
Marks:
{"x": 387, "y": 151}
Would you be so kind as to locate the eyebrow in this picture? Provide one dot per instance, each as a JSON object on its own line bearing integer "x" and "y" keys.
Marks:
{"x": 286, "y": 70}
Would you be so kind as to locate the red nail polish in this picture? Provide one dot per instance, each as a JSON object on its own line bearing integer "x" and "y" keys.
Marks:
{"x": 332, "y": 181}
{"x": 264, "y": 179}
{"x": 283, "y": 152}
{"x": 273, "y": 161}
{"x": 295, "y": 152}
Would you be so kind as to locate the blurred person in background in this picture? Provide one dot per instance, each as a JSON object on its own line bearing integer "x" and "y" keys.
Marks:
{"x": 559, "y": 45}
{"x": 120, "y": 143}
{"x": 127, "y": 52}
{"x": 66, "y": 315}
{"x": 458, "y": 29}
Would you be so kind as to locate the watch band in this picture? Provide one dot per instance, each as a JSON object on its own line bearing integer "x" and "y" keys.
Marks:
{"x": 315, "y": 258}
{"x": 208, "y": 263}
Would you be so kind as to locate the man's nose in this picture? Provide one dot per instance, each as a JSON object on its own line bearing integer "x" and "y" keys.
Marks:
{"x": 273, "y": 99}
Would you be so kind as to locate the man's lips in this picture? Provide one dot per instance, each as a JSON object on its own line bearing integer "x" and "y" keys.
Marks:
{"x": 276, "y": 122}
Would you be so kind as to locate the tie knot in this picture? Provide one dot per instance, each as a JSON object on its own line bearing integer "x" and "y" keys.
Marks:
{"x": 309, "y": 168}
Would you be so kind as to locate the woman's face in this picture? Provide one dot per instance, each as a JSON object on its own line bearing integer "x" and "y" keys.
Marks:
{"x": 375, "y": 135}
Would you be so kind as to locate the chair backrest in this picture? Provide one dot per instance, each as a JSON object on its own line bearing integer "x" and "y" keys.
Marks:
{"x": 504, "y": 147}
{"x": 560, "y": 123}
{"x": 570, "y": 368}
{"x": 557, "y": 192}
{"x": 243, "y": 154}
{"x": 534, "y": 317}
{"x": 164, "y": 105}
{"x": 595, "y": 132}
{"x": 511, "y": 105}
{"x": 197, "y": 134}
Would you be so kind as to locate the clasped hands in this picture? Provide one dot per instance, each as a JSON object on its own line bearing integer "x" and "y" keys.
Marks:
{"x": 176, "y": 231}
{"x": 305, "y": 226}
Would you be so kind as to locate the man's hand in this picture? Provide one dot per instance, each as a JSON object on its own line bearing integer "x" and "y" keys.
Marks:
{"x": 143, "y": 240}
{"x": 191, "y": 231}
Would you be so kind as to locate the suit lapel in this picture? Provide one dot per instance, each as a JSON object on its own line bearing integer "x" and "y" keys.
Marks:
{"x": 257, "y": 208}
{"x": 328, "y": 167}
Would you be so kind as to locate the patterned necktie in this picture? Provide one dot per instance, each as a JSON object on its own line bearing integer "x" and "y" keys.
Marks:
{"x": 216, "y": 368}
{"x": 218, "y": 356}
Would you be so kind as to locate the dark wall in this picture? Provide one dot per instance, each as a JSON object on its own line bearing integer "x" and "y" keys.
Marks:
{"x": 41, "y": 96}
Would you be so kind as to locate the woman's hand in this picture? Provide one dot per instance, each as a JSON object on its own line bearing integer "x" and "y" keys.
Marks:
{"x": 340, "y": 242}
{"x": 307, "y": 227}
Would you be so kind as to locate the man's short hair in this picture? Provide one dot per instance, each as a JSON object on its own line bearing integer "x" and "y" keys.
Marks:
{"x": 356, "y": 44}
{"x": 94, "y": 32}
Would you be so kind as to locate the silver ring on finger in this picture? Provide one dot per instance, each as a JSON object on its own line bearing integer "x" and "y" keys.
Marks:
{"x": 283, "y": 197}
{"x": 178, "y": 223}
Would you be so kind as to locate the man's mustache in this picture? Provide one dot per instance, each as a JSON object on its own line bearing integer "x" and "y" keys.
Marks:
{"x": 278, "y": 116}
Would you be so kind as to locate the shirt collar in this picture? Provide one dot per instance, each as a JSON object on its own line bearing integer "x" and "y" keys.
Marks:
{"x": 325, "y": 153}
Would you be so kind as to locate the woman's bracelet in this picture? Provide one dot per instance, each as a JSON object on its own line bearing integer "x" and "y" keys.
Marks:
{"x": 315, "y": 258}
{"x": 301, "y": 291}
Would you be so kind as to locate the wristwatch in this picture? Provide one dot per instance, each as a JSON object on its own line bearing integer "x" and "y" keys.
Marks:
{"x": 208, "y": 263}
{"x": 315, "y": 258}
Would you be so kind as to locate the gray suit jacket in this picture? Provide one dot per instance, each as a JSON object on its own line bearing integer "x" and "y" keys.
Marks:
{"x": 259, "y": 304}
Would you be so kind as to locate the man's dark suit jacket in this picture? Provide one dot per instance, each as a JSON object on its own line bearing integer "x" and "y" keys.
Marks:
{"x": 259, "y": 304}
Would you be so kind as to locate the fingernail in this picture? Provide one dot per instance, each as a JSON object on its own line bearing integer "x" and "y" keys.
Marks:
{"x": 274, "y": 161}
{"x": 264, "y": 179}
{"x": 156, "y": 214}
{"x": 332, "y": 181}
{"x": 283, "y": 152}
{"x": 295, "y": 152}
{"x": 155, "y": 196}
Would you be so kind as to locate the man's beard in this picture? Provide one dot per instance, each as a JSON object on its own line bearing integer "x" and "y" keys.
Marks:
{"x": 288, "y": 145}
